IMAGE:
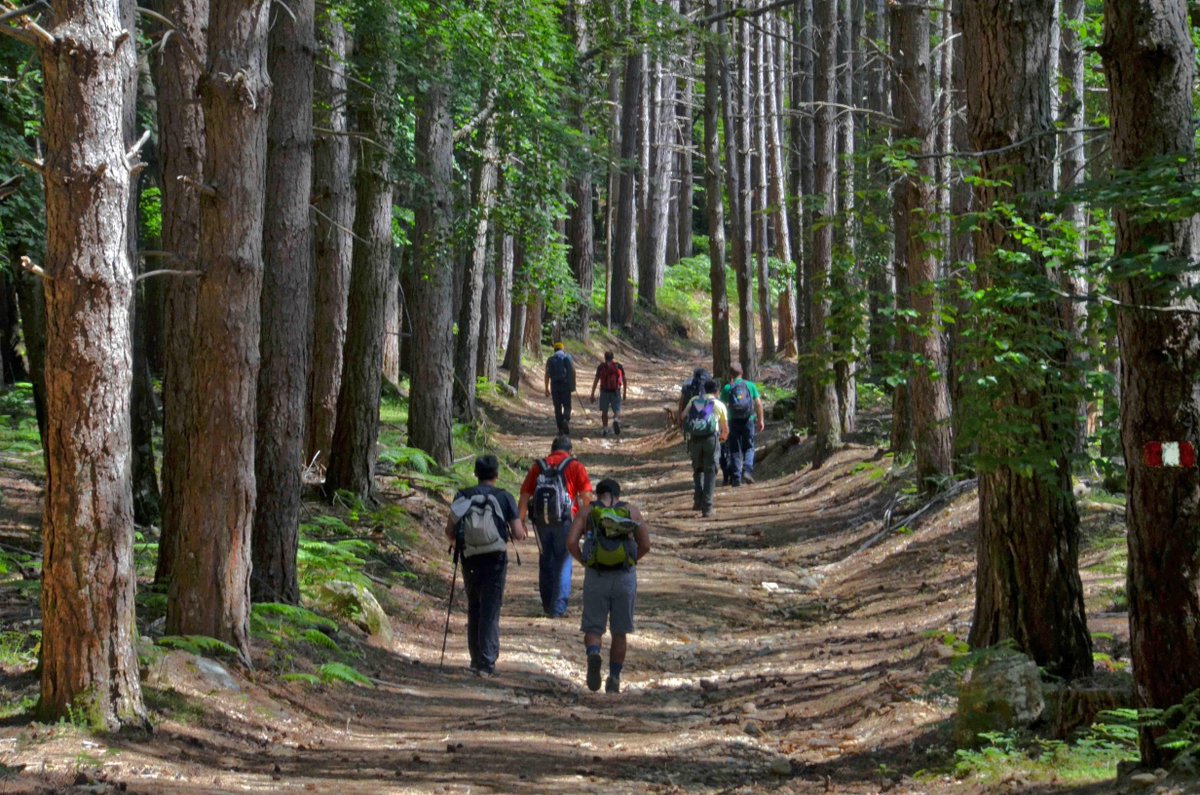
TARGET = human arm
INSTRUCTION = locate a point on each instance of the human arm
(595, 382)
(642, 534)
(624, 384)
(451, 529)
(723, 424)
(547, 379)
(758, 408)
(517, 531)
(523, 507)
(575, 534)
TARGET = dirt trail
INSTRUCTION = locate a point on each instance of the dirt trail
(770, 655)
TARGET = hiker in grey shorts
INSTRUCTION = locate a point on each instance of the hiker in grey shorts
(614, 539)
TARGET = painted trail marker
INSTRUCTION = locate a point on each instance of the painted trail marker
(1169, 455)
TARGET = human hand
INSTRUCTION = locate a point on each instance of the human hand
(547, 391)
(762, 426)
(593, 398)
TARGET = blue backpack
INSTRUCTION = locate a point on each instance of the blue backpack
(700, 422)
(741, 403)
(560, 369)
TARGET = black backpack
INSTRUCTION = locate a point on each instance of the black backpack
(695, 387)
(561, 370)
(551, 502)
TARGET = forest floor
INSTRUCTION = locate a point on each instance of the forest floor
(783, 645)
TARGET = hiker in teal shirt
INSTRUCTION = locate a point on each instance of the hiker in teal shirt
(742, 399)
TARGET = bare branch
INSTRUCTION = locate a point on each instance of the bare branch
(166, 272)
(36, 270)
(489, 107)
(39, 32)
(131, 157)
(23, 10)
(207, 190)
(32, 165)
(342, 227)
(188, 47)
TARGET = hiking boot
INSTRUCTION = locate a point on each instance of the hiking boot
(612, 684)
(604, 432)
(747, 479)
(616, 428)
(706, 512)
(593, 672)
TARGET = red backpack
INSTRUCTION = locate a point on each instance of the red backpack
(611, 376)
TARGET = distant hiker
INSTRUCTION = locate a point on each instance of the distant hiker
(482, 520)
(705, 426)
(742, 399)
(560, 383)
(614, 539)
(555, 489)
(691, 388)
(610, 377)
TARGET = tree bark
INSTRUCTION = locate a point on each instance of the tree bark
(88, 662)
(1028, 587)
(684, 163)
(286, 306)
(181, 155)
(742, 106)
(430, 414)
(777, 190)
(621, 282)
(483, 189)
(580, 225)
(210, 589)
(844, 277)
(760, 121)
(915, 202)
(516, 316)
(653, 259)
(31, 300)
(714, 199)
(333, 241)
(803, 142)
(1150, 63)
(828, 423)
(356, 429)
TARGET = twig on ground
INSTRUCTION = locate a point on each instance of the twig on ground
(907, 521)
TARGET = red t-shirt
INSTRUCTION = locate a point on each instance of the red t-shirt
(575, 475)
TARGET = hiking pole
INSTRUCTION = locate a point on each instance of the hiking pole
(449, 605)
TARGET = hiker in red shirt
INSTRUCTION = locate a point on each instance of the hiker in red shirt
(555, 489)
(610, 377)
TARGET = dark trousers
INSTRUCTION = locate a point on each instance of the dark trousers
(554, 568)
(741, 449)
(561, 395)
(704, 469)
(483, 578)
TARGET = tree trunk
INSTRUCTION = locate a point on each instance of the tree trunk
(516, 328)
(742, 105)
(430, 416)
(1028, 587)
(31, 300)
(714, 200)
(962, 242)
(210, 589)
(483, 189)
(393, 320)
(684, 164)
(760, 121)
(621, 282)
(915, 202)
(828, 424)
(653, 259)
(333, 242)
(1150, 63)
(356, 428)
(486, 355)
(181, 156)
(88, 662)
(804, 140)
(286, 308)
(580, 229)
(12, 368)
(776, 191)
(844, 276)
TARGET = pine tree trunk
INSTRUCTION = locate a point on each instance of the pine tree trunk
(580, 224)
(844, 276)
(776, 192)
(352, 453)
(31, 301)
(483, 189)
(210, 589)
(88, 662)
(181, 154)
(1028, 587)
(760, 121)
(653, 259)
(962, 242)
(828, 423)
(744, 229)
(625, 259)
(1150, 63)
(12, 368)
(915, 202)
(286, 308)
(430, 416)
(714, 200)
(516, 326)
(333, 200)
(684, 162)
(485, 350)
(804, 140)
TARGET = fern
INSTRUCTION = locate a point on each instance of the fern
(410, 458)
(320, 639)
(200, 645)
(308, 679)
(340, 672)
(296, 616)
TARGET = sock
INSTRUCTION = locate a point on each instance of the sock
(593, 650)
(614, 669)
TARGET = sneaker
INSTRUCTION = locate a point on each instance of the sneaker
(746, 478)
(604, 432)
(612, 685)
(706, 512)
(735, 482)
(593, 672)
(616, 428)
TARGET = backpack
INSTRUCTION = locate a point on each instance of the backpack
(479, 518)
(611, 535)
(695, 387)
(551, 502)
(741, 404)
(559, 368)
(611, 377)
(700, 422)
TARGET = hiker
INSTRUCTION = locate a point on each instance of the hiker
(555, 490)
(483, 519)
(691, 388)
(705, 426)
(742, 399)
(614, 539)
(610, 376)
(560, 383)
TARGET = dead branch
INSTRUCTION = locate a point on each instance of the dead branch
(940, 499)
(131, 157)
(207, 190)
(166, 272)
(33, 268)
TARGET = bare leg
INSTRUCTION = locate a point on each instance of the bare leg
(592, 639)
(617, 653)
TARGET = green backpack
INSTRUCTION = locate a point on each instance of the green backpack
(612, 537)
